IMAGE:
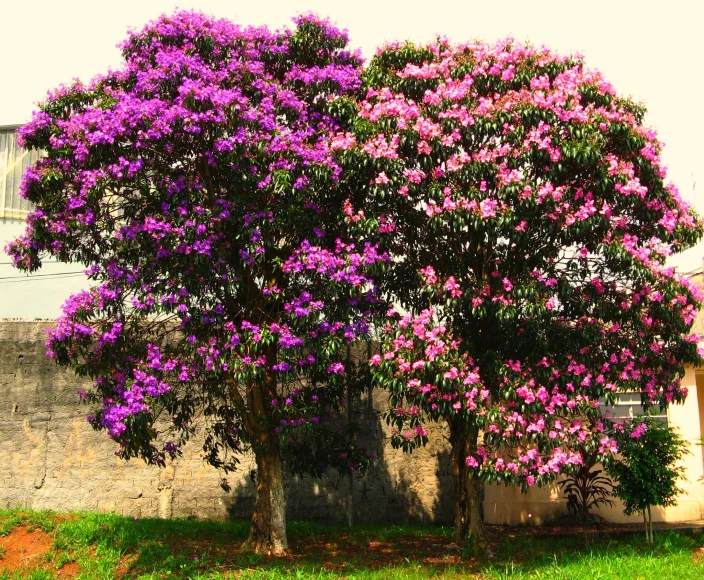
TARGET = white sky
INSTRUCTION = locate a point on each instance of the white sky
(652, 50)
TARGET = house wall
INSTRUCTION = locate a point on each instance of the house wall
(507, 505)
(36, 295)
(50, 458)
(540, 505)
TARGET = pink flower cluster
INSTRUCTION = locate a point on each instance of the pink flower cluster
(543, 279)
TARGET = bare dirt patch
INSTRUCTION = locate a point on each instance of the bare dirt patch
(25, 550)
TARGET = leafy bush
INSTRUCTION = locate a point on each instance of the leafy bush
(647, 473)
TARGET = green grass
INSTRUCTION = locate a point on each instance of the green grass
(618, 557)
(9, 520)
(106, 546)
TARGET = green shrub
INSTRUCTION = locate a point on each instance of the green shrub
(647, 473)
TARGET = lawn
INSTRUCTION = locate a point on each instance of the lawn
(46, 546)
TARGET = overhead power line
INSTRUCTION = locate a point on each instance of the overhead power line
(43, 262)
(40, 277)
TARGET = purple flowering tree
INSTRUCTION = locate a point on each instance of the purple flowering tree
(526, 213)
(198, 185)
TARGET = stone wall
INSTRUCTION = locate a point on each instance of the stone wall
(50, 458)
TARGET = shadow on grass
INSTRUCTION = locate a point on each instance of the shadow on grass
(110, 546)
(187, 548)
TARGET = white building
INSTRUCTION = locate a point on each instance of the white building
(39, 295)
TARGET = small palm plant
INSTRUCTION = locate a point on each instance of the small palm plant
(586, 490)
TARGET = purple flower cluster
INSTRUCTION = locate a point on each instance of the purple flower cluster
(189, 182)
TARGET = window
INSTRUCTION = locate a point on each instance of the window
(628, 404)
(13, 163)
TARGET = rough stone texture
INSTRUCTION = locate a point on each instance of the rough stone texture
(50, 458)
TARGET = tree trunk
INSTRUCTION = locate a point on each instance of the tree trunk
(651, 540)
(350, 479)
(268, 532)
(469, 517)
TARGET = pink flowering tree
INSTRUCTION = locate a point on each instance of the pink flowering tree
(524, 206)
(198, 185)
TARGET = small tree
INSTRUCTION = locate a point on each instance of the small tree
(526, 213)
(198, 185)
(647, 471)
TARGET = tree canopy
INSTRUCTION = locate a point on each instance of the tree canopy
(525, 210)
(246, 200)
(198, 185)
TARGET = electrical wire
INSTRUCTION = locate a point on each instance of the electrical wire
(41, 277)
(43, 262)
(43, 280)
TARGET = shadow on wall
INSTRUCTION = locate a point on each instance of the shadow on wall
(397, 488)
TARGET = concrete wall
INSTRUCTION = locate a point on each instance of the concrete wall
(50, 458)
